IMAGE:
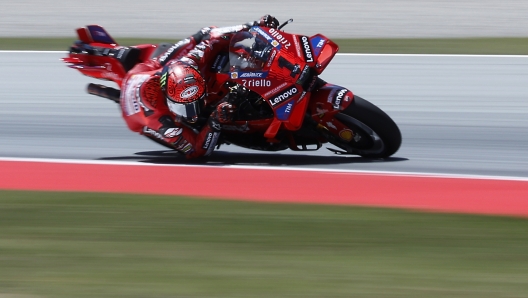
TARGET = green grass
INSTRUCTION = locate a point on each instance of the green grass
(58, 44)
(495, 46)
(477, 46)
(116, 245)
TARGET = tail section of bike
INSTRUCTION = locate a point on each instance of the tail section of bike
(96, 54)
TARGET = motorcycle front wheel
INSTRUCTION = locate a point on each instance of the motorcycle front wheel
(374, 133)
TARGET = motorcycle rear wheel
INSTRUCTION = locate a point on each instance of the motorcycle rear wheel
(376, 135)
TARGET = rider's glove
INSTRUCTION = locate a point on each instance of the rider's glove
(269, 21)
(225, 112)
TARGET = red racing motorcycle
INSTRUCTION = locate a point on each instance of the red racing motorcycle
(282, 102)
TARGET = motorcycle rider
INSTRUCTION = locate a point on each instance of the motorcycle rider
(160, 96)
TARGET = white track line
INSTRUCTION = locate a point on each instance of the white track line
(433, 55)
(30, 52)
(344, 54)
(247, 167)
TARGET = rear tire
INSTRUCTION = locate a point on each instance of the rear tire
(376, 135)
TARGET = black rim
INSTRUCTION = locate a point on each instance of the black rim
(365, 142)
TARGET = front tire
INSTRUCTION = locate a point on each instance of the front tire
(376, 135)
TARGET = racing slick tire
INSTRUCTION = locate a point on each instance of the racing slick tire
(375, 134)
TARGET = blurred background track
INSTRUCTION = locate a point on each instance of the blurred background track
(465, 115)
(335, 18)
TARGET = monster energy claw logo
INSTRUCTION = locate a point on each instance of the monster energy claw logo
(163, 80)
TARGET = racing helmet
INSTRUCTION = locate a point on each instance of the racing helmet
(184, 88)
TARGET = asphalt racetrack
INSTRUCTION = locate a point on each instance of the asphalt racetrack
(462, 115)
(334, 18)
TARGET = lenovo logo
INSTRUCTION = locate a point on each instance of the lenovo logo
(283, 96)
(307, 49)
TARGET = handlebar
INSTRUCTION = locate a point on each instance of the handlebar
(285, 23)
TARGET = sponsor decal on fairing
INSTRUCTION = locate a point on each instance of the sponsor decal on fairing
(249, 74)
(281, 39)
(272, 56)
(297, 47)
(317, 44)
(346, 134)
(283, 96)
(307, 50)
(256, 83)
(303, 94)
(339, 98)
(275, 90)
(283, 113)
(304, 75)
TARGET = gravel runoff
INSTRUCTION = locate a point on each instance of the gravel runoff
(334, 18)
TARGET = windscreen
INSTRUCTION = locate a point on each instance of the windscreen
(248, 51)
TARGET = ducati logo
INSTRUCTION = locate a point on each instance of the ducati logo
(172, 132)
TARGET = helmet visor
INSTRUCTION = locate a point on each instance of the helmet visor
(189, 111)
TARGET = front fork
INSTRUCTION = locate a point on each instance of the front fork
(325, 103)
(328, 135)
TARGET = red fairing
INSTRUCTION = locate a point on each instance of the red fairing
(329, 100)
(105, 68)
(268, 78)
(92, 58)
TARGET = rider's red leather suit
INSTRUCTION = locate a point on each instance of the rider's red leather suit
(143, 104)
